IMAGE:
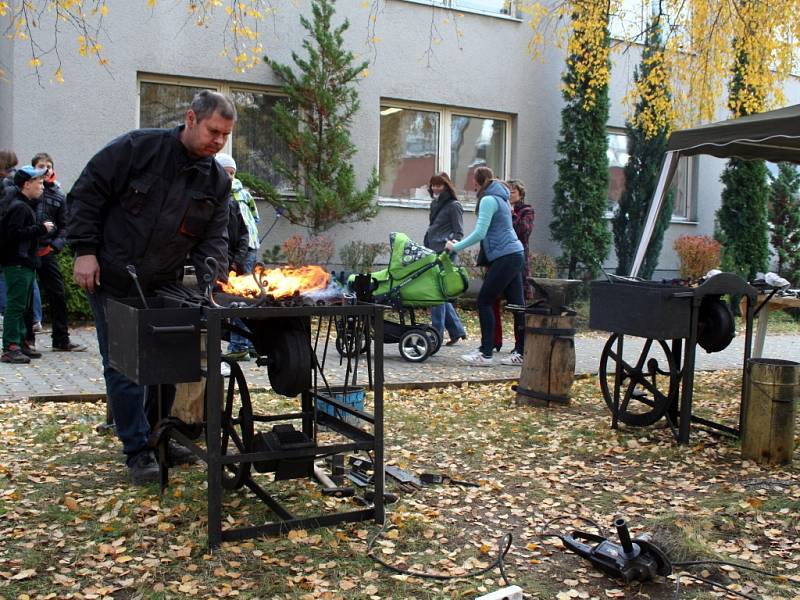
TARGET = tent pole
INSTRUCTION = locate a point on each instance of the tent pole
(664, 179)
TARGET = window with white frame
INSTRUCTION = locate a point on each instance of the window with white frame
(163, 103)
(510, 8)
(680, 186)
(419, 141)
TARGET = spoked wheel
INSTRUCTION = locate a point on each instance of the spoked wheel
(415, 345)
(237, 428)
(435, 340)
(648, 383)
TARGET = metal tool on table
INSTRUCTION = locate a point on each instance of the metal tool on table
(440, 479)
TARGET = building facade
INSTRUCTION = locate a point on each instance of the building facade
(450, 86)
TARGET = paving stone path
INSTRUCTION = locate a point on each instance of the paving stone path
(62, 374)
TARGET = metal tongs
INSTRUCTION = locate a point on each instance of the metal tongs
(135, 276)
(210, 277)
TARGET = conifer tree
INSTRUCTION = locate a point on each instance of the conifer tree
(742, 216)
(314, 121)
(784, 221)
(581, 190)
(647, 131)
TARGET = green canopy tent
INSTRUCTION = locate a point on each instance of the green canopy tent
(772, 136)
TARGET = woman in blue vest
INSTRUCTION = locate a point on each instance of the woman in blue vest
(504, 253)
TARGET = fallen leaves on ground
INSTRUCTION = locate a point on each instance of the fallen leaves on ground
(72, 527)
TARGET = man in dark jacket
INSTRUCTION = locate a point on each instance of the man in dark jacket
(52, 207)
(21, 232)
(147, 199)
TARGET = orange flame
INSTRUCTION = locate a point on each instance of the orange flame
(280, 283)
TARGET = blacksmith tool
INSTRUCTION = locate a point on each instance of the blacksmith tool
(630, 560)
(404, 477)
(329, 488)
(359, 477)
(132, 272)
(437, 479)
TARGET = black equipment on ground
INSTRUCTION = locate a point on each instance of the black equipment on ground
(630, 560)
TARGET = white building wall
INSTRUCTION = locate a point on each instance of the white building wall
(487, 67)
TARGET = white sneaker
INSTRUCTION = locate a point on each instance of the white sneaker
(515, 358)
(478, 360)
(224, 369)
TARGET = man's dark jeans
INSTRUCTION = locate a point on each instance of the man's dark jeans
(134, 411)
(503, 278)
(51, 282)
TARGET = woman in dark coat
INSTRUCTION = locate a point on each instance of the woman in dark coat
(446, 223)
(522, 219)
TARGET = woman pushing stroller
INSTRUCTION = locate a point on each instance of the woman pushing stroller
(504, 254)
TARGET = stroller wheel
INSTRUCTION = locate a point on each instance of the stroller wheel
(435, 340)
(415, 345)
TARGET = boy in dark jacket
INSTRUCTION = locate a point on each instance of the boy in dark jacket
(52, 207)
(21, 233)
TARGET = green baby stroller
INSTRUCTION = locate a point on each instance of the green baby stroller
(416, 277)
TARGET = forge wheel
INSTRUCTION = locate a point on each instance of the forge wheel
(415, 345)
(237, 428)
(648, 384)
(435, 339)
(350, 336)
(289, 366)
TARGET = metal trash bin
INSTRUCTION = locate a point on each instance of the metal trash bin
(767, 430)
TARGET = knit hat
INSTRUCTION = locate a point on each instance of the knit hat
(26, 173)
(225, 160)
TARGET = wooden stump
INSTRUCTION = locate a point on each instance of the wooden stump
(773, 389)
(548, 368)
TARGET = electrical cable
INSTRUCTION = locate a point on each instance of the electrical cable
(720, 586)
(543, 533)
(498, 562)
(723, 562)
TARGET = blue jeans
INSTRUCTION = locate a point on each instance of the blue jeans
(3, 293)
(250, 260)
(134, 407)
(37, 303)
(444, 316)
(238, 342)
(503, 278)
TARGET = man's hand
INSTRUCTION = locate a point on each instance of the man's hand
(86, 272)
(49, 226)
(449, 246)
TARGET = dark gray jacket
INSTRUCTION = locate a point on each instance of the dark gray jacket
(142, 200)
(446, 222)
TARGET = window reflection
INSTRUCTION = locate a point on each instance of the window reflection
(164, 105)
(680, 186)
(255, 144)
(475, 142)
(409, 148)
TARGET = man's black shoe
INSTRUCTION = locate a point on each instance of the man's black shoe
(30, 351)
(143, 468)
(180, 455)
(69, 347)
(14, 355)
